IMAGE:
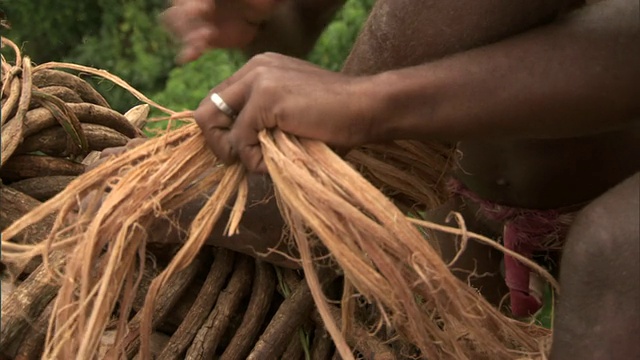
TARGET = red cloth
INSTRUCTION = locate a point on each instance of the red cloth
(525, 231)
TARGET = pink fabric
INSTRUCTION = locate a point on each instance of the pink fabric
(525, 232)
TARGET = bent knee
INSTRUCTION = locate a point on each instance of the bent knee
(597, 313)
(610, 224)
(602, 247)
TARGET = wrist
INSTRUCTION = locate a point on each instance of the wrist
(402, 105)
(294, 27)
(367, 106)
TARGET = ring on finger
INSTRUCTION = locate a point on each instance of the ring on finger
(222, 106)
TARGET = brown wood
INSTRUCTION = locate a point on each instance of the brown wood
(15, 205)
(54, 140)
(33, 344)
(322, 345)
(46, 77)
(259, 303)
(293, 311)
(61, 92)
(25, 304)
(217, 277)
(44, 187)
(29, 166)
(208, 337)
(167, 298)
(39, 119)
(359, 338)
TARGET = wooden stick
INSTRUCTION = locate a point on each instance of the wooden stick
(28, 301)
(322, 345)
(182, 338)
(169, 295)
(44, 187)
(33, 344)
(291, 314)
(206, 341)
(360, 339)
(259, 303)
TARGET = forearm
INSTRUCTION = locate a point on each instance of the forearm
(295, 27)
(576, 76)
(403, 33)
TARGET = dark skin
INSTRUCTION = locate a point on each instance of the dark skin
(542, 104)
(289, 27)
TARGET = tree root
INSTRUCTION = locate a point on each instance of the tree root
(61, 92)
(217, 277)
(54, 141)
(359, 338)
(16, 204)
(40, 119)
(27, 301)
(46, 77)
(29, 166)
(296, 349)
(206, 341)
(44, 187)
(322, 345)
(259, 303)
(33, 344)
(168, 297)
(292, 313)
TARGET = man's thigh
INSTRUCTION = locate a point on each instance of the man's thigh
(598, 313)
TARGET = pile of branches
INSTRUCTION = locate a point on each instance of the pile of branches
(54, 125)
(96, 256)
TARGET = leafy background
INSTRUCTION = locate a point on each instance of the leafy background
(126, 38)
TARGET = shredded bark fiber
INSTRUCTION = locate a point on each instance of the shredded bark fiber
(322, 198)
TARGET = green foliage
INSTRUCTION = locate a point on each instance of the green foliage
(129, 44)
(334, 44)
(126, 38)
(121, 36)
(189, 84)
(45, 29)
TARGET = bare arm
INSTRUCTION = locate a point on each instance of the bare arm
(287, 26)
(403, 33)
(576, 76)
(294, 27)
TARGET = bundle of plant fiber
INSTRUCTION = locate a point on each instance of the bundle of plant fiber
(383, 255)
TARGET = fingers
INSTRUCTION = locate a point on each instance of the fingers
(196, 43)
(205, 24)
(192, 22)
(133, 143)
(115, 151)
(216, 125)
(185, 17)
(237, 139)
(244, 140)
(234, 139)
(244, 91)
(254, 92)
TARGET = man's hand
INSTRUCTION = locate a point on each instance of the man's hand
(297, 97)
(206, 24)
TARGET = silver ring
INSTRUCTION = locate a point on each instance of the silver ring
(222, 106)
